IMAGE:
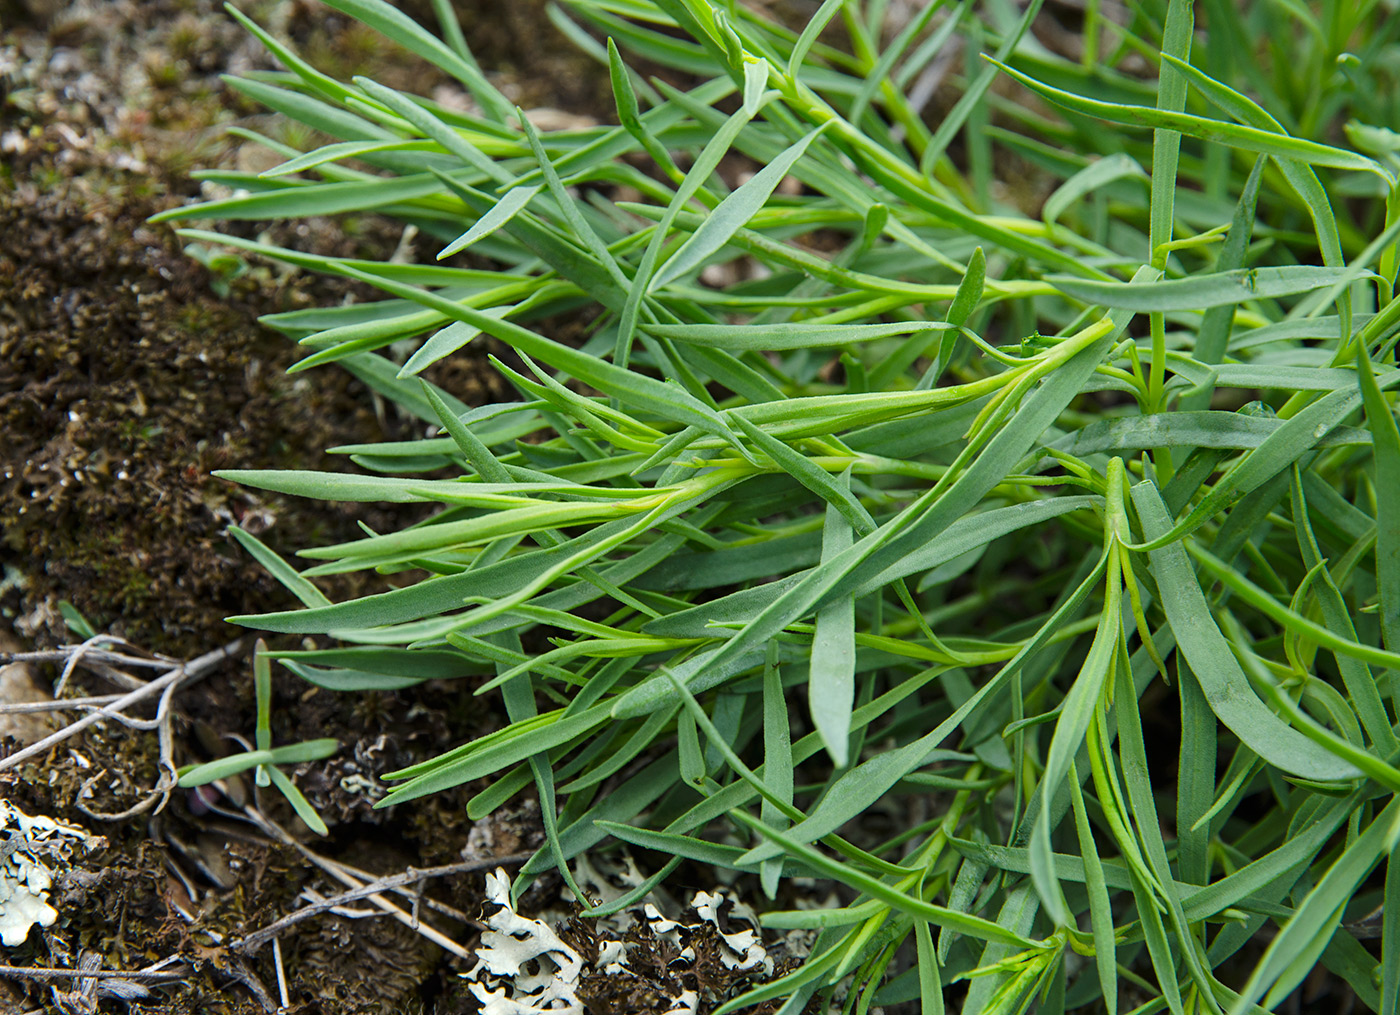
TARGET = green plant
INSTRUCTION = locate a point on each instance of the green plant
(223, 267)
(263, 758)
(1084, 527)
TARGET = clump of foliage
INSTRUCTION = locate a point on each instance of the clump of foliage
(1083, 528)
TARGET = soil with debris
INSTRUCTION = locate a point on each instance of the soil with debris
(128, 373)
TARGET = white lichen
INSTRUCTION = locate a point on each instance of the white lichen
(524, 968)
(33, 851)
(612, 957)
(687, 1004)
(745, 952)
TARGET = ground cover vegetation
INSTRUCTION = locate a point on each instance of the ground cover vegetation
(1030, 568)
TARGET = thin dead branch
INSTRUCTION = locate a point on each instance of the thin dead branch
(50, 973)
(181, 674)
(411, 876)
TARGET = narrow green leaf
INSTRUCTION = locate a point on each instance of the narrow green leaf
(341, 150)
(477, 454)
(667, 400)
(1100, 907)
(1315, 920)
(322, 116)
(299, 803)
(1223, 682)
(777, 762)
(510, 204)
(677, 845)
(972, 97)
(1099, 173)
(930, 989)
(299, 201)
(300, 587)
(395, 25)
(200, 775)
(734, 211)
(322, 83)
(1380, 420)
(1200, 291)
(831, 688)
(1264, 602)
(1390, 937)
(1204, 128)
(972, 926)
(1217, 322)
(1356, 675)
(880, 549)
(262, 693)
(786, 336)
(810, 31)
(292, 754)
(692, 764)
(851, 794)
(1223, 430)
(1081, 705)
(1196, 776)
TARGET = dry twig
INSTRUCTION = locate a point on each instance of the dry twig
(183, 673)
(89, 654)
(51, 973)
(411, 876)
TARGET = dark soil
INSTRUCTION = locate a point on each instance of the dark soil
(127, 372)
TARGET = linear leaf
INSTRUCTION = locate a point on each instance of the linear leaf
(1200, 291)
(831, 690)
(782, 337)
(1232, 134)
(733, 212)
(1223, 682)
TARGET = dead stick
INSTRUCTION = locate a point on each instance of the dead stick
(330, 867)
(60, 655)
(185, 671)
(258, 938)
(19, 707)
(49, 973)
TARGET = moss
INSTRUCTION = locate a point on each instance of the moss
(128, 373)
(124, 382)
